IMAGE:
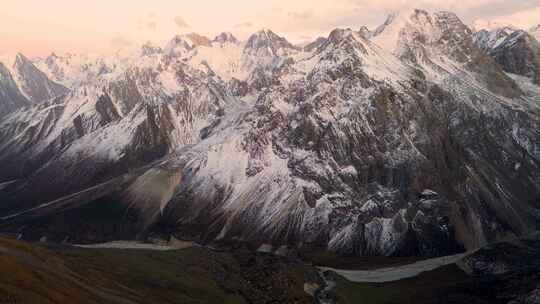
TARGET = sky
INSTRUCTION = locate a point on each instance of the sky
(38, 27)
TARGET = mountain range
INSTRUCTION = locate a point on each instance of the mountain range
(419, 137)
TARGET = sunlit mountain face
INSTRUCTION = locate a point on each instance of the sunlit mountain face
(269, 153)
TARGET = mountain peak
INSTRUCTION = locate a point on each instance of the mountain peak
(365, 32)
(10, 95)
(266, 33)
(198, 40)
(33, 83)
(266, 39)
(266, 30)
(388, 34)
(347, 41)
(21, 60)
(489, 39)
(177, 45)
(340, 34)
(402, 17)
(418, 27)
(187, 42)
(225, 37)
(514, 49)
(20, 56)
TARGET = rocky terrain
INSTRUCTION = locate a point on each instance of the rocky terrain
(517, 51)
(413, 139)
(23, 84)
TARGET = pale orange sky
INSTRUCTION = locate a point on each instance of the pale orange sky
(38, 27)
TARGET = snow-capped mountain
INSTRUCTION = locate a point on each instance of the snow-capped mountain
(490, 39)
(437, 43)
(517, 51)
(406, 140)
(24, 84)
(34, 84)
(185, 43)
(74, 70)
(267, 43)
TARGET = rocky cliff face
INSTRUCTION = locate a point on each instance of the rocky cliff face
(11, 97)
(517, 51)
(34, 84)
(22, 84)
(409, 140)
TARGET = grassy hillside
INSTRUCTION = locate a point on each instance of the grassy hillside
(60, 274)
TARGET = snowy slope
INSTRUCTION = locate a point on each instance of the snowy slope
(418, 37)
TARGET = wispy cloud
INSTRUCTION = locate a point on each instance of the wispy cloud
(66, 26)
(151, 25)
(247, 24)
(300, 15)
(120, 42)
(180, 22)
(524, 19)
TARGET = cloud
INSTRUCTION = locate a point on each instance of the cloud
(247, 24)
(158, 21)
(120, 42)
(467, 10)
(147, 22)
(523, 19)
(151, 25)
(180, 22)
(300, 15)
(320, 20)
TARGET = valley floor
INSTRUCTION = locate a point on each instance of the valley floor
(143, 273)
(390, 274)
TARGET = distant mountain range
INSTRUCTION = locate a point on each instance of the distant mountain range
(419, 137)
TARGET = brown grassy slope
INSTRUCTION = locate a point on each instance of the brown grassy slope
(59, 274)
